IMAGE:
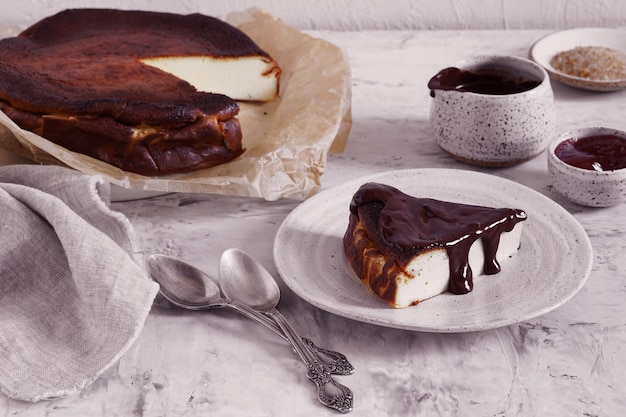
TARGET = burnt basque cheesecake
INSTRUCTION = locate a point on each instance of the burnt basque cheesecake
(407, 249)
(150, 93)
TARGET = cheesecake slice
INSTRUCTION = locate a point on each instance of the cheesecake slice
(146, 92)
(407, 249)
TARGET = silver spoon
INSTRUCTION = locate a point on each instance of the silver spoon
(188, 287)
(245, 280)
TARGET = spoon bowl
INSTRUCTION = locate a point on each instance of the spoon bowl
(182, 284)
(244, 279)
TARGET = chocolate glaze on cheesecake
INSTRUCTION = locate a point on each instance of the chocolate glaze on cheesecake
(383, 220)
(75, 78)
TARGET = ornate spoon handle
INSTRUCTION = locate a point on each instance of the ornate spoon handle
(341, 400)
(336, 362)
(329, 392)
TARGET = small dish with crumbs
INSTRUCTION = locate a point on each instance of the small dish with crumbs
(589, 58)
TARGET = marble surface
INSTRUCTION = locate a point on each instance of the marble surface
(570, 362)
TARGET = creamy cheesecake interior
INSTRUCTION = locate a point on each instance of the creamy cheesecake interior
(250, 78)
(428, 274)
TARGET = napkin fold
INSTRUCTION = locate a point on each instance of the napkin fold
(73, 296)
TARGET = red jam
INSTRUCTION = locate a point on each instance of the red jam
(600, 153)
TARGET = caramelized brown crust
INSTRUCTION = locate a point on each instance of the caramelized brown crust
(142, 34)
(75, 79)
(379, 272)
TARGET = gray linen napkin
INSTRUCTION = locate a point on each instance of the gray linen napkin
(73, 297)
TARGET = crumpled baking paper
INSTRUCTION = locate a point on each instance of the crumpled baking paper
(287, 140)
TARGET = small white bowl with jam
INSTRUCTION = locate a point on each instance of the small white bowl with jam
(588, 166)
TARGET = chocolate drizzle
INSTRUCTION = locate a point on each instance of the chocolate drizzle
(483, 82)
(403, 226)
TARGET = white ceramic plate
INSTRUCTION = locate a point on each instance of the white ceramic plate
(545, 48)
(552, 264)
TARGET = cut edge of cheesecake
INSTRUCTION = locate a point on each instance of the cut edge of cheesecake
(426, 277)
(247, 78)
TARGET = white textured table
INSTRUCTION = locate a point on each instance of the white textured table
(571, 362)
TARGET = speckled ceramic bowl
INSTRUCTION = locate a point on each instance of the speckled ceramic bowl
(495, 130)
(584, 186)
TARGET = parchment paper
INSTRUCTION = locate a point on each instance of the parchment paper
(287, 140)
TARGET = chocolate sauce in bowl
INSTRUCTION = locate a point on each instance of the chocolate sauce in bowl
(481, 82)
(403, 226)
(600, 152)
